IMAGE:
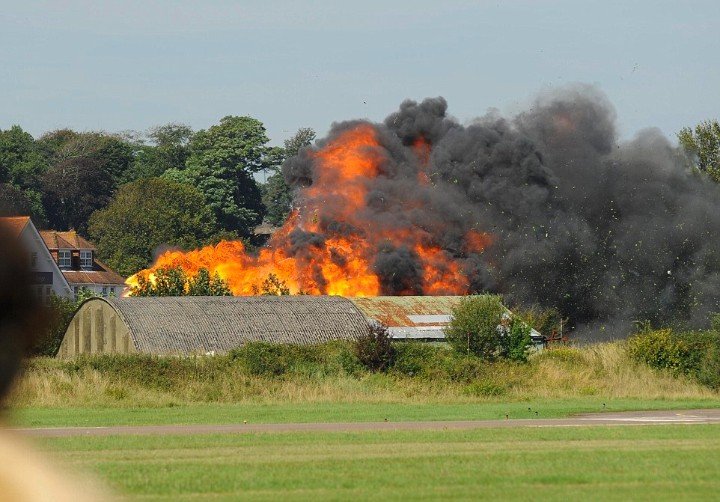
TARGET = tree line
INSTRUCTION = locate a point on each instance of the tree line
(130, 193)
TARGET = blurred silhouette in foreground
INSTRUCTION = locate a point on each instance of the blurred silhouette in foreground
(24, 474)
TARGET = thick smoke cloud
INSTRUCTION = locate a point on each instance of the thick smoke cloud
(608, 232)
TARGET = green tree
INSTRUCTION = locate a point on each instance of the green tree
(221, 165)
(277, 195)
(170, 149)
(175, 282)
(702, 145)
(16, 202)
(515, 346)
(111, 152)
(21, 162)
(72, 190)
(473, 328)
(272, 286)
(146, 214)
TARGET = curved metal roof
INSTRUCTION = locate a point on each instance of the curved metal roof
(167, 325)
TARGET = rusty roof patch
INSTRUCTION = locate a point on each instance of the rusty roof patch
(395, 311)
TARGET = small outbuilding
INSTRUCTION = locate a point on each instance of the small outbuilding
(199, 324)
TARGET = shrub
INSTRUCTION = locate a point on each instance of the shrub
(462, 368)
(261, 358)
(412, 357)
(659, 349)
(545, 320)
(696, 354)
(709, 372)
(515, 346)
(472, 329)
(374, 350)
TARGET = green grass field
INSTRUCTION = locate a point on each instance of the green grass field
(339, 412)
(588, 463)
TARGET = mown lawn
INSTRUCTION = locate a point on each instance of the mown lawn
(588, 463)
(338, 412)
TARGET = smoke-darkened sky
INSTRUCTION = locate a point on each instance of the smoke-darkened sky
(610, 232)
(133, 64)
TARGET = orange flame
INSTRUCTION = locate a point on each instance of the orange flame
(337, 262)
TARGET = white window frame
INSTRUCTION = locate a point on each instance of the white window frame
(86, 259)
(104, 291)
(65, 258)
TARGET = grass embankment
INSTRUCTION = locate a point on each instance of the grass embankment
(601, 463)
(326, 383)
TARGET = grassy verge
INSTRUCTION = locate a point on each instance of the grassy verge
(658, 462)
(338, 412)
(325, 383)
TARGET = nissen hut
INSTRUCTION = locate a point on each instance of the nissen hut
(200, 324)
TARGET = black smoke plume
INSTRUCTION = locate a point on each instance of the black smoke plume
(609, 232)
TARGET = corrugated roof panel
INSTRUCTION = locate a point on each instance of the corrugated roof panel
(168, 325)
(399, 311)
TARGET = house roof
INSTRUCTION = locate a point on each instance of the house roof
(101, 274)
(65, 240)
(186, 324)
(16, 224)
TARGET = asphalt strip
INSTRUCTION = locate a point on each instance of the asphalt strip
(685, 417)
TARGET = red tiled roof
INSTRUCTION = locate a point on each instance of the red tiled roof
(16, 224)
(92, 277)
(100, 274)
(64, 240)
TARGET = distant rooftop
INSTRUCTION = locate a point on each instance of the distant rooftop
(64, 240)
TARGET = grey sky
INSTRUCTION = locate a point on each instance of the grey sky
(134, 64)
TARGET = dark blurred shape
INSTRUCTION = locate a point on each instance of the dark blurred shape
(21, 316)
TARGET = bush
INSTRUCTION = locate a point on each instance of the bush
(515, 346)
(472, 329)
(261, 358)
(412, 357)
(375, 350)
(696, 354)
(659, 349)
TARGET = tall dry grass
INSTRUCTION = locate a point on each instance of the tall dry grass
(601, 370)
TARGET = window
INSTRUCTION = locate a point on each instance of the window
(64, 258)
(86, 259)
(105, 291)
(76, 290)
(112, 291)
(33, 260)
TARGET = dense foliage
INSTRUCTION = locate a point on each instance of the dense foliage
(66, 180)
(221, 165)
(146, 214)
(473, 328)
(276, 194)
(375, 350)
(694, 353)
(175, 282)
(702, 144)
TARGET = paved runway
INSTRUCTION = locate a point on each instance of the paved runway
(685, 417)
